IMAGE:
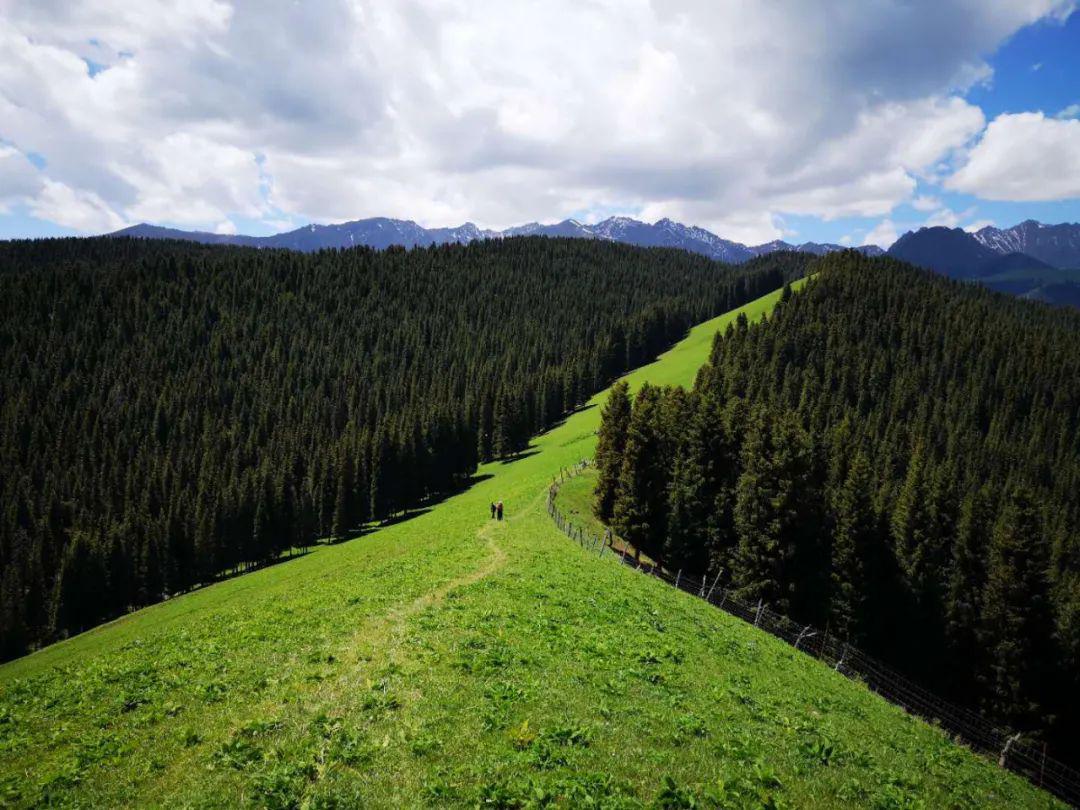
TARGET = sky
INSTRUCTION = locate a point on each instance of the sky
(799, 120)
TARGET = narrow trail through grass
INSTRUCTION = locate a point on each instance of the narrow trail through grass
(453, 660)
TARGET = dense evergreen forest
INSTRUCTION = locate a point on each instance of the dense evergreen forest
(894, 456)
(173, 411)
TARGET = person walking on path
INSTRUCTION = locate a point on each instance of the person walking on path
(499, 510)
(493, 510)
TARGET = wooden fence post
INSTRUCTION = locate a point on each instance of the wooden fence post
(1005, 751)
(713, 584)
(804, 634)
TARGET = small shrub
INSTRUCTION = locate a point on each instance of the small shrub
(239, 753)
(523, 736)
(351, 748)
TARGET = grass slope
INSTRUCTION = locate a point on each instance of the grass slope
(449, 659)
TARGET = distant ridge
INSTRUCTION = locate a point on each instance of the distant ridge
(1031, 260)
(952, 252)
(382, 232)
(1056, 245)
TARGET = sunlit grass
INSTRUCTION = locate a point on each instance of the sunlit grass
(453, 660)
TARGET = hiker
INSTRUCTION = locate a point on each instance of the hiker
(493, 510)
(498, 510)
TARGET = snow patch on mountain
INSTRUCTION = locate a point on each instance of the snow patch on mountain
(382, 232)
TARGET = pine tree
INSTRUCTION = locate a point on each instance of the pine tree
(75, 603)
(771, 509)
(610, 444)
(853, 532)
(703, 458)
(207, 561)
(967, 578)
(911, 526)
(640, 500)
(343, 519)
(502, 430)
(14, 629)
(380, 486)
(1015, 624)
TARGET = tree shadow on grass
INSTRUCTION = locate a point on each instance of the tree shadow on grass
(421, 508)
(575, 412)
(302, 551)
(529, 451)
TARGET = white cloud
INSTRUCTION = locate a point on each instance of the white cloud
(926, 203)
(1023, 157)
(979, 224)
(75, 208)
(883, 234)
(1072, 111)
(946, 218)
(727, 115)
(18, 178)
(190, 179)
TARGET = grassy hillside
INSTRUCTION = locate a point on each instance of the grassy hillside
(449, 659)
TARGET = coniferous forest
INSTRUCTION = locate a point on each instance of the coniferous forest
(170, 412)
(893, 456)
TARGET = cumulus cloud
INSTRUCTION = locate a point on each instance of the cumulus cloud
(726, 116)
(1023, 157)
(18, 177)
(74, 208)
(926, 203)
(883, 234)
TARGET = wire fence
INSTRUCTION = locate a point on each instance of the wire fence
(1027, 758)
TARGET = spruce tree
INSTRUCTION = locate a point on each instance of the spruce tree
(911, 526)
(81, 578)
(703, 460)
(342, 501)
(502, 429)
(610, 444)
(853, 531)
(772, 514)
(378, 481)
(638, 514)
(966, 580)
(1015, 624)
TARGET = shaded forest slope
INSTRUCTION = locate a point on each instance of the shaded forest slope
(170, 411)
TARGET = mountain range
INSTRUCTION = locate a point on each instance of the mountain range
(1032, 260)
(382, 232)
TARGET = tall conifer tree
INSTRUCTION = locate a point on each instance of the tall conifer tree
(610, 445)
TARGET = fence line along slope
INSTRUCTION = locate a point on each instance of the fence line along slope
(894, 456)
(452, 660)
(1024, 756)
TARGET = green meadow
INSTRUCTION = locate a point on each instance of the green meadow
(452, 660)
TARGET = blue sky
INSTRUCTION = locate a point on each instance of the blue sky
(1038, 68)
(797, 120)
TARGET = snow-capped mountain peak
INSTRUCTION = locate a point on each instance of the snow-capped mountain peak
(1057, 245)
(382, 232)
